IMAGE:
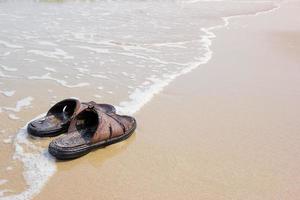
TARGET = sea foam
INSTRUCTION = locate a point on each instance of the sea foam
(20, 104)
(10, 69)
(8, 93)
(9, 45)
(38, 166)
(61, 82)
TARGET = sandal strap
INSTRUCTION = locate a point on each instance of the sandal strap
(118, 121)
(109, 126)
(61, 106)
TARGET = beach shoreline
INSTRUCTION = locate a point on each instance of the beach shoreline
(228, 130)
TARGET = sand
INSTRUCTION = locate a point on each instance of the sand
(228, 130)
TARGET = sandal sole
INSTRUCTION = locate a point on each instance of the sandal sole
(68, 155)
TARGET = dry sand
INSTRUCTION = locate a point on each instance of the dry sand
(228, 130)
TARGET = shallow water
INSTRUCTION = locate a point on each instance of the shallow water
(120, 52)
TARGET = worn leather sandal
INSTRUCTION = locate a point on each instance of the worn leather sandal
(58, 118)
(91, 129)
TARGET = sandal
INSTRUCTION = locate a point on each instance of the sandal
(91, 129)
(58, 118)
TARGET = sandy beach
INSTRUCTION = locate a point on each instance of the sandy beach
(227, 130)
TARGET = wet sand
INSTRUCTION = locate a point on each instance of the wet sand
(228, 130)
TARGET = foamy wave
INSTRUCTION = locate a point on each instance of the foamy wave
(82, 70)
(6, 53)
(5, 75)
(20, 104)
(61, 82)
(47, 43)
(57, 53)
(97, 50)
(10, 69)
(9, 45)
(50, 69)
(38, 166)
(8, 93)
(99, 76)
(25, 102)
(140, 96)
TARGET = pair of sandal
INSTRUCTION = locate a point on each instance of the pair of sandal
(86, 126)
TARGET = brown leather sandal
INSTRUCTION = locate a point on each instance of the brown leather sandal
(91, 129)
(58, 118)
